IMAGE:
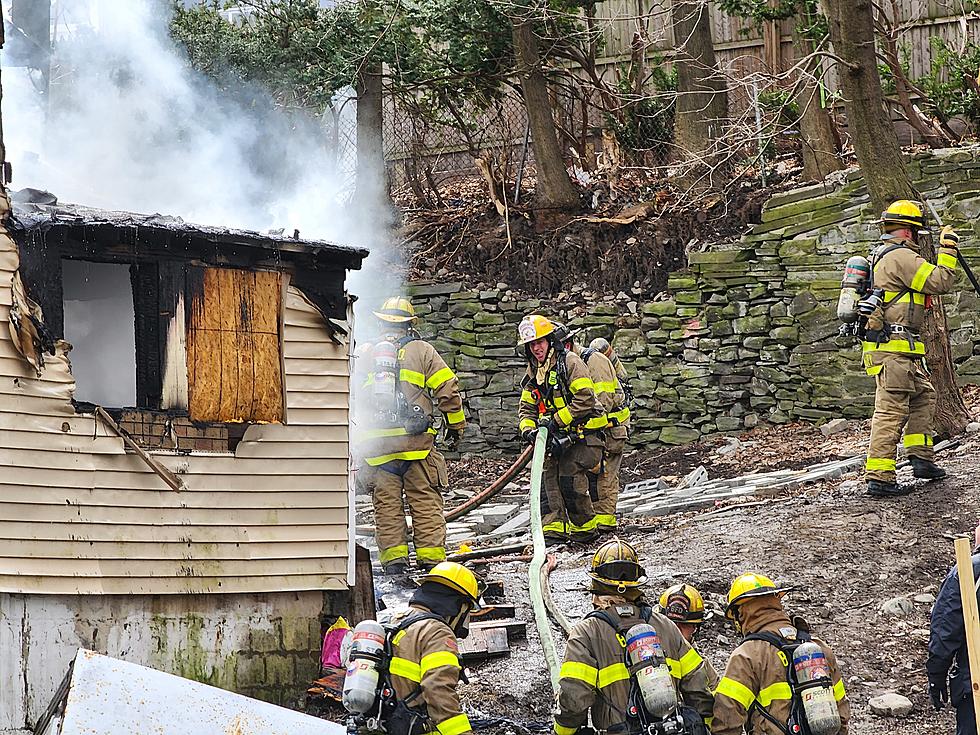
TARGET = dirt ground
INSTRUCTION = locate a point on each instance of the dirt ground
(846, 554)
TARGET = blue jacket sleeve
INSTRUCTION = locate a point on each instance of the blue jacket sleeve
(946, 631)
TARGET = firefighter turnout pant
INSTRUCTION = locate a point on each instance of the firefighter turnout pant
(904, 398)
(566, 506)
(422, 482)
(607, 485)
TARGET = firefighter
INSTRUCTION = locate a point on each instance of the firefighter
(948, 664)
(684, 605)
(594, 677)
(754, 689)
(604, 486)
(405, 379)
(425, 654)
(894, 354)
(557, 392)
(601, 344)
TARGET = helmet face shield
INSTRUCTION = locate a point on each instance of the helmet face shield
(616, 564)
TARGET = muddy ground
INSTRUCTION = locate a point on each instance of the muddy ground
(845, 552)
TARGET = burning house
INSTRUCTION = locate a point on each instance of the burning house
(173, 449)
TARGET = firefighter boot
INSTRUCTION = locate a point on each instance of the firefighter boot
(926, 469)
(882, 489)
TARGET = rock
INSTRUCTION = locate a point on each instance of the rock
(925, 598)
(834, 426)
(890, 704)
(723, 640)
(898, 607)
(973, 427)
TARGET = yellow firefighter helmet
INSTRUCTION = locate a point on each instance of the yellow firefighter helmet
(903, 213)
(456, 577)
(682, 603)
(396, 310)
(751, 585)
(617, 565)
(532, 327)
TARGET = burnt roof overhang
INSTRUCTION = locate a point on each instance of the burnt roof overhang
(106, 231)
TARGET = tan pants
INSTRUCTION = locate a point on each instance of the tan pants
(422, 482)
(566, 506)
(904, 398)
(607, 485)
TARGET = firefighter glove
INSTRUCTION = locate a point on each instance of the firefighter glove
(938, 690)
(948, 237)
(452, 439)
(866, 307)
(529, 435)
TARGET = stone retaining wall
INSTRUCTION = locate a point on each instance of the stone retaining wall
(746, 335)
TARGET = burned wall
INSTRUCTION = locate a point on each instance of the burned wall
(747, 334)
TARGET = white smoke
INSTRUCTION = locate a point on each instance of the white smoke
(129, 125)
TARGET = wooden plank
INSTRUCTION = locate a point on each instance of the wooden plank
(229, 323)
(82, 514)
(516, 629)
(172, 568)
(203, 346)
(227, 500)
(140, 549)
(483, 644)
(971, 620)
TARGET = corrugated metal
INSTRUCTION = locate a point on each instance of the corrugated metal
(113, 697)
(80, 515)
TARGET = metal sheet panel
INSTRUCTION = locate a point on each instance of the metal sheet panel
(113, 697)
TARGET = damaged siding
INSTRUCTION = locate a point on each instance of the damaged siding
(80, 515)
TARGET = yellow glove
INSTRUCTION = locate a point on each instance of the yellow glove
(948, 238)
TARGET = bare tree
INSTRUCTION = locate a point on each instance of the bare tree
(821, 143)
(887, 177)
(371, 179)
(554, 189)
(702, 96)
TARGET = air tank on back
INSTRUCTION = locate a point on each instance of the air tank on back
(649, 665)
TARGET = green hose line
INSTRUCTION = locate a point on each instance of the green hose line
(538, 560)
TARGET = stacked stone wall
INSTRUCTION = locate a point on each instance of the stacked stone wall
(747, 334)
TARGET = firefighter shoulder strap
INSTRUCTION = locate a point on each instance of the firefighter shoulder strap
(398, 716)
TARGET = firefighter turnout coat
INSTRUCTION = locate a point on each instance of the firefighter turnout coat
(904, 397)
(594, 675)
(424, 380)
(425, 671)
(570, 398)
(756, 677)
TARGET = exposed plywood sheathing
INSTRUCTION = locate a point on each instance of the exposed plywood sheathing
(81, 515)
(175, 390)
(233, 352)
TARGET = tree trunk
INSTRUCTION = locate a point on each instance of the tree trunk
(702, 99)
(881, 161)
(821, 153)
(554, 189)
(371, 183)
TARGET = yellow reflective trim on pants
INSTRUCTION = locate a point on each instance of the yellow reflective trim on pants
(771, 693)
(605, 386)
(413, 455)
(527, 425)
(946, 260)
(562, 730)
(839, 692)
(921, 275)
(917, 440)
(439, 658)
(430, 553)
(735, 690)
(600, 422)
(611, 674)
(405, 669)
(708, 721)
(381, 433)
(587, 527)
(564, 416)
(605, 520)
(880, 464)
(455, 417)
(395, 552)
(687, 663)
(554, 527)
(527, 397)
(454, 725)
(412, 376)
(621, 416)
(581, 384)
(581, 672)
(439, 377)
(896, 344)
(892, 297)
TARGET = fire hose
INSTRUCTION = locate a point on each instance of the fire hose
(538, 560)
(495, 487)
